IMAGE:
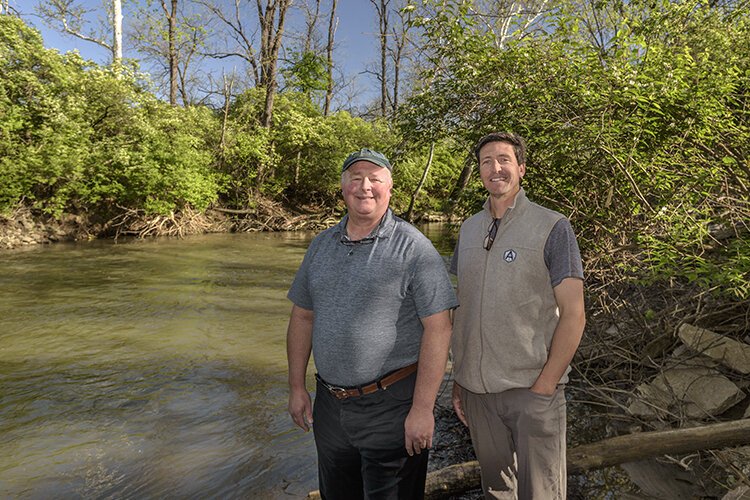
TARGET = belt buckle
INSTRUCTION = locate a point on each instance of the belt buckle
(339, 392)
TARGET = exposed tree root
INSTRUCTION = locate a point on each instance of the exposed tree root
(188, 221)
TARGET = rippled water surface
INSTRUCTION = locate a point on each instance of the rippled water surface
(150, 369)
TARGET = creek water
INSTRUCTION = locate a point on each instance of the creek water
(152, 369)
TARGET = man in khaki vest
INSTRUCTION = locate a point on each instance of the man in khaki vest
(521, 318)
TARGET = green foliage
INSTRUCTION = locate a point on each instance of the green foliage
(34, 154)
(320, 156)
(76, 136)
(306, 72)
(636, 115)
(434, 193)
(300, 157)
(637, 129)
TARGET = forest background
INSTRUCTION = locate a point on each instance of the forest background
(636, 114)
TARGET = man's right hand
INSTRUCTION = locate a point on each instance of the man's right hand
(300, 408)
(457, 403)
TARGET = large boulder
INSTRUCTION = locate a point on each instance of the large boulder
(730, 353)
(687, 391)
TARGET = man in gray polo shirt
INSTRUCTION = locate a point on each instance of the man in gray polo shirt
(371, 302)
(520, 283)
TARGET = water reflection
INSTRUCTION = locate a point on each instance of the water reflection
(443, 236)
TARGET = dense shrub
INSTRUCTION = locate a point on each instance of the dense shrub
(638, 128)
(76, 136)
(300, 158)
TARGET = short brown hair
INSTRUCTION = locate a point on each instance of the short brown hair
(515, 140)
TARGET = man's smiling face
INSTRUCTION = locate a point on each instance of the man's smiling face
(367, 190)
(500, 172)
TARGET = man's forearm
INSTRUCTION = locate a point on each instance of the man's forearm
(567, 336)
(299, 346)
(433, 356)
(419, 426)
(565, 342)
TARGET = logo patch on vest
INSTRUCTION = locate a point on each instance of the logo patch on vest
(509, 255)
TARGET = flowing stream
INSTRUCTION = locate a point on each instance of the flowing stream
(152, 369)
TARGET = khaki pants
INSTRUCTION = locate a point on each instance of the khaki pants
(519, 439)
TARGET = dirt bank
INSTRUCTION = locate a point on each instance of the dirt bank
(24, 226)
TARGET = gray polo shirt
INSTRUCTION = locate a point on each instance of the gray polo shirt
(368, 298)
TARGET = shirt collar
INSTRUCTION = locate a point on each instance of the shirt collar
(383, 230)
(519, 202)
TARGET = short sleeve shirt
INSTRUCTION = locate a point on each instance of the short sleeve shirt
(368, 297)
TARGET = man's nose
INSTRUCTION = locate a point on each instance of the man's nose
(366, 184)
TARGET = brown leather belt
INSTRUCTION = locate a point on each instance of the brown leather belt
(383, 383)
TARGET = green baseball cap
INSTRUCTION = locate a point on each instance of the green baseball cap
(365, 154)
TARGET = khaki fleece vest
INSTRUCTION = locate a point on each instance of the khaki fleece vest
(507, 316)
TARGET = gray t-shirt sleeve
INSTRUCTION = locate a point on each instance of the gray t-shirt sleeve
(561, 253)
(299, 292)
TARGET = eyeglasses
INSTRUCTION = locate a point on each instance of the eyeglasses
(351, 243)
(491, 233)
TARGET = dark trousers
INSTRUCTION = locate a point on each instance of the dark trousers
(360, 443)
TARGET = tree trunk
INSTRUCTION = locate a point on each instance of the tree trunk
(461, 183)
(117, 29)
(172, 34)
(383, 57)
(225, 118)
(189, 50)
(410, 212)
(633, 447)
(329, 58)
(382, 11)
(295, 182)
(271, 35)
(396, 76)
(269, 52)
(312, 21)
(173, 54)
(459, 478)
(400, 34)
(452, 480)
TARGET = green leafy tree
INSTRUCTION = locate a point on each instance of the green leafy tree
(637, 130)
(79, 137)
(306, 72)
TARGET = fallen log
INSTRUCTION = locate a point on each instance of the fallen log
(246, 211)
(459, 478)
(640, 445)
(452, 480)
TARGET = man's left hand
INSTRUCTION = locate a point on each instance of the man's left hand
(540, 387)
(418, 430)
